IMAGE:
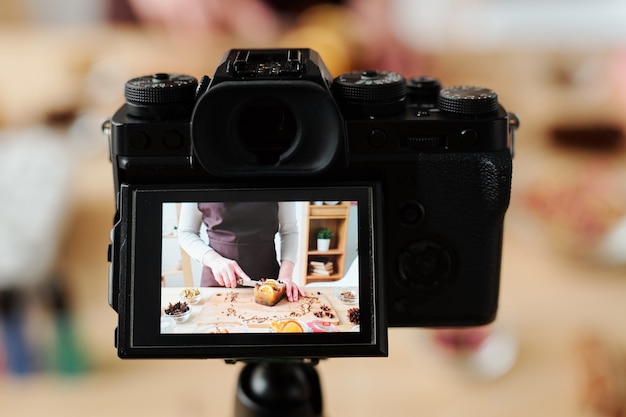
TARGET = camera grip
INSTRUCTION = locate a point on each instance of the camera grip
(451, 263)
(475, 184)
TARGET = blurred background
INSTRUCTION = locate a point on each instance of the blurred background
(558, 347)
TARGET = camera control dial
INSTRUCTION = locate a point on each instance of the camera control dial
(468, 100)
(425, 265)
(145, 94)
(371, 93)
(423, 88)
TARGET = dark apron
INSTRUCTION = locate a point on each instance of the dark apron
(245, 233)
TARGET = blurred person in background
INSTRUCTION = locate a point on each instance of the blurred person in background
(363, 29)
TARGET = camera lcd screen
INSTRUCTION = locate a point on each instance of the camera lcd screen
(251, 272)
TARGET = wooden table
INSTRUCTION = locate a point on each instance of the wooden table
(218, 305)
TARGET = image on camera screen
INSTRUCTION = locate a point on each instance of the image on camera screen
(222, 272)
(232, 267)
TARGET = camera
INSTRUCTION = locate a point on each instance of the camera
(412, 179)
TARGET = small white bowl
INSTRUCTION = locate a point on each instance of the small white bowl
(190, 296)
(180, 318)
(347, 295)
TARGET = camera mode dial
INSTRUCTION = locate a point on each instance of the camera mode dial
(468, 100)
(371, 93)
(159, 94)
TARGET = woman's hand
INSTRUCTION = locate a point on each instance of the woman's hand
(285, 275)
(226, 271)
(292, 291)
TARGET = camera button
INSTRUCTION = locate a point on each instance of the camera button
(378, 138)
(140, 141)
(173, 140)
(411, 213)
(423, 88)
(469, 137)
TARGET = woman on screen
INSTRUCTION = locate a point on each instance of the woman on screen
(241, 242)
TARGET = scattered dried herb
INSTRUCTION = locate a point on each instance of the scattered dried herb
(354, 315)
(177, 309)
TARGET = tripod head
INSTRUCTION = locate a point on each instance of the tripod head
(279, 388)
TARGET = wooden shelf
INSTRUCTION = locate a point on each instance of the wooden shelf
(322, 278)
(334, 217)
(329, 252)
(171, 271)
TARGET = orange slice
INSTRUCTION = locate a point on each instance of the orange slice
(275, 326)
(292, 327)
(266, 288)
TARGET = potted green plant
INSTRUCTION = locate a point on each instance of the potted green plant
(323, 239)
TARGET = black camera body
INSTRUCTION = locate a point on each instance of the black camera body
(429, 167)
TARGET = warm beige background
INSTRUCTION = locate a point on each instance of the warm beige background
(550, 301)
